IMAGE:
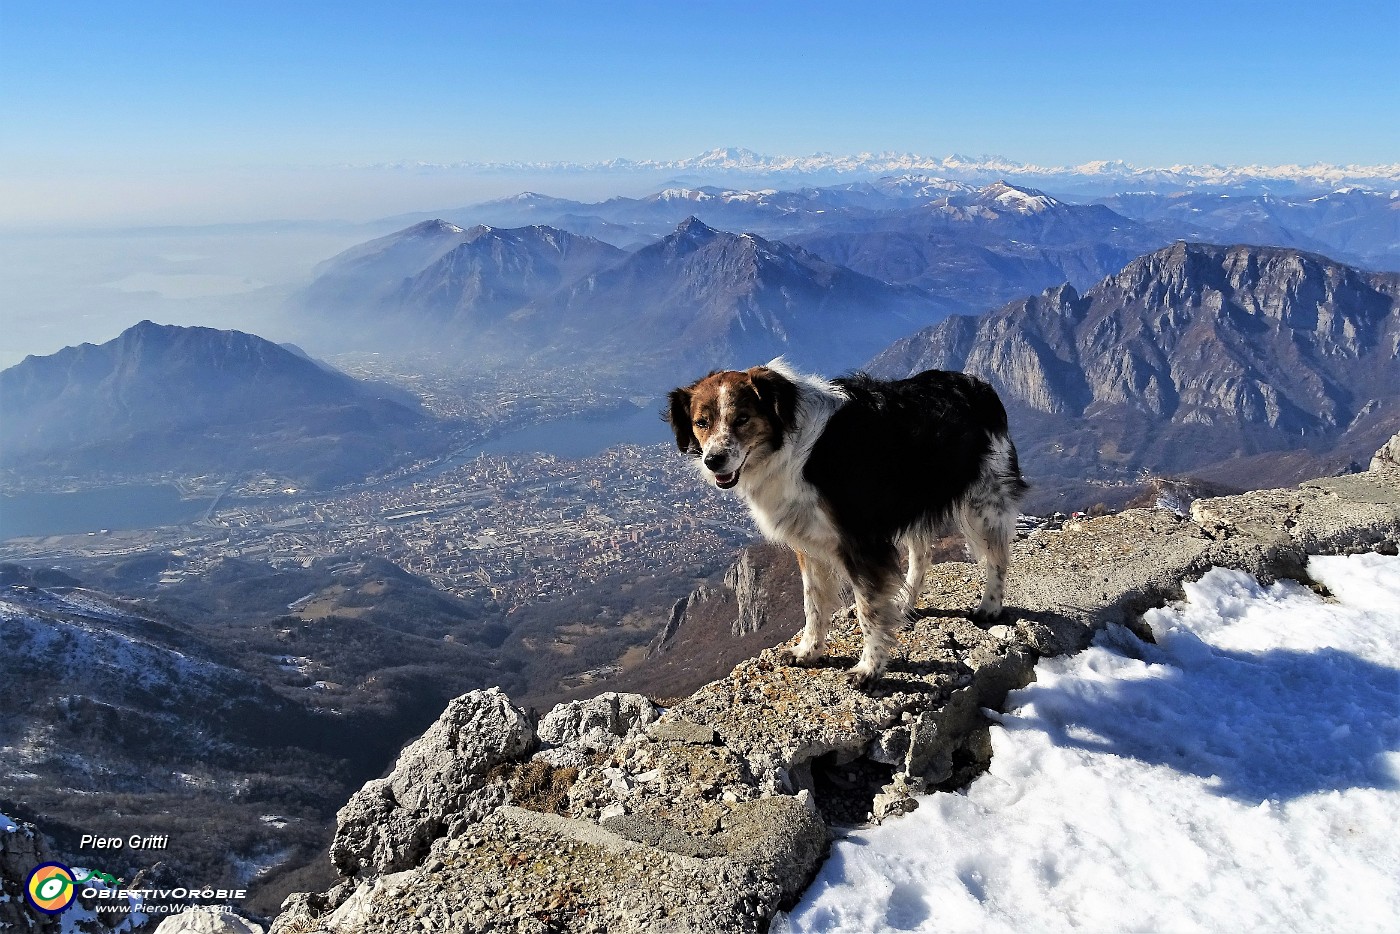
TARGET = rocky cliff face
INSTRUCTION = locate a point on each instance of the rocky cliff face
(711, 814)
(718, 625)
(759, 584)
(1190, 355)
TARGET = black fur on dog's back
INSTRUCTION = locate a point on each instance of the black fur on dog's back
(902, 452)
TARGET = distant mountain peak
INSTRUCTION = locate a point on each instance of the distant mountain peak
(146, 326)
(430, 227)
(161, 398)
(730, 156)
(695, 228)
(1017, 198)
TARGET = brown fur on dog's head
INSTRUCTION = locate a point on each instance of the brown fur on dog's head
(738, 413)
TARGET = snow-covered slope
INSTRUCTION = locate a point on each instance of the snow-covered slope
(1242, 774)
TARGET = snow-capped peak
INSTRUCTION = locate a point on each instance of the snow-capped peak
(1018, 199)
(684, 194)
(435, 226)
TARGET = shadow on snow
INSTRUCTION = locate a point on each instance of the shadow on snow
(1276, 724)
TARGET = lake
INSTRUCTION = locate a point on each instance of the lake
(145, 507)
(127, 507)
(579, 436)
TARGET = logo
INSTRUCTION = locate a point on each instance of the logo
(51, 888)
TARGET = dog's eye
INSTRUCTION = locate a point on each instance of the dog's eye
(741, 419)
(702, 423)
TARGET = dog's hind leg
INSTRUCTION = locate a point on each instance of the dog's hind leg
(989, 524)
(917, 547)
(821, 589)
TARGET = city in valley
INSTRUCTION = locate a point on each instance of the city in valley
(506, 529)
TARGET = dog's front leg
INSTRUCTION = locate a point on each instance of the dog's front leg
(989, 529)
(820, 591)
(876, 602)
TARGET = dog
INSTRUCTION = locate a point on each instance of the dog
(847, 472)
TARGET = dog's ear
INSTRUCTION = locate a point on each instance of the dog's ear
(678, 414)
(779, 394)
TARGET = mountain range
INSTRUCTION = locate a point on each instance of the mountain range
(1111, 174)
(1190, 357)
(441, 271)
(885, 203)
(1355, 225)
(973, 247)
(1194, 358)
(158, 399)
(1142, 351)
(704, 296)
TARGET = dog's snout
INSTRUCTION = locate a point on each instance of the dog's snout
(716, 459)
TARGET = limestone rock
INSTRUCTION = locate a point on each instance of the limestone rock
(389, 824)
(598, 722)
(208, 920)
(1388, 455)
(752, 596)
(680, 730)
(745, 579)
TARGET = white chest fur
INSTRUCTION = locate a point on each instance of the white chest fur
(784, 505)
(789, 510)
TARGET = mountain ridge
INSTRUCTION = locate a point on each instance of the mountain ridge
(1188, 356)
(720, 298)
(538, 294)
(158, 398)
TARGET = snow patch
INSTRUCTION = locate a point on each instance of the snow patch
(258, 864)
(1242, 774)
(297, 664)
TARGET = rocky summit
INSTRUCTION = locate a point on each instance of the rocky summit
(612, 815)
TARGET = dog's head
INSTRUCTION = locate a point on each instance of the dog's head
(732, 419)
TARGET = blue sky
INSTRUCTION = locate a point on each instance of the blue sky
(152, 96)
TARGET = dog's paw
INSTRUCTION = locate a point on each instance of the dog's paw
(983, 618)
(862, 679)
(791, 658)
